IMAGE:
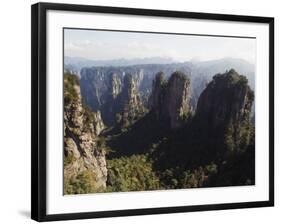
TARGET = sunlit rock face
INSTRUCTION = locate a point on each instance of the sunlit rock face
(81, 130)
(170, 99)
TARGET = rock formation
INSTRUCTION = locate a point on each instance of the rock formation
(224, 109)
(158, 94)
(115, 85)
(100, 86)
(170, 100)
(130, 101)
(98, 124)
(84, 163)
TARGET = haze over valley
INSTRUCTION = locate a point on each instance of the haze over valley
(144, 113)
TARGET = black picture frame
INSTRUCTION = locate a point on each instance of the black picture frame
(39, 122)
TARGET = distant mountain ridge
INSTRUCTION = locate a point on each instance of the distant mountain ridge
(197, 68)
(80, 62)
(75, 64)
(99, 83)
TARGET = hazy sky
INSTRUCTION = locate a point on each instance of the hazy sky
(107, 45)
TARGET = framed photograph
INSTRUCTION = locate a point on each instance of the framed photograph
(139, 111)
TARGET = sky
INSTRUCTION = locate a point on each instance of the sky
(109, 45)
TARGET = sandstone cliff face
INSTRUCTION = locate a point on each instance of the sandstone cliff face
(130, 101)
(103, 84)
(98, 125)
(100, 84)
(170, 100)
(82, 159)
(115, 86)
(158, 94)
(177, 98)
(224, 108)
(104, 87)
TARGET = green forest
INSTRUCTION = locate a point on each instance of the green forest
(158, 141)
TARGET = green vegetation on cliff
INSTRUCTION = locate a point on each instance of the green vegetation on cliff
(170, 146)
(84, 164)
(69, 92)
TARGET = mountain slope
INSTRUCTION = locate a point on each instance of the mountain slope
(84, 164)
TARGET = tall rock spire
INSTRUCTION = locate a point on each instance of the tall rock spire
(224, 109)
(170, 100)
(83, 161)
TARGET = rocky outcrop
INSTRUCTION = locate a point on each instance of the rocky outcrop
(170, 100)
(131, 105)
(98, 125)
(177, 98)
(82, 158)
(224, 109)
(100, 86)
(158, 94)
(115, 86)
